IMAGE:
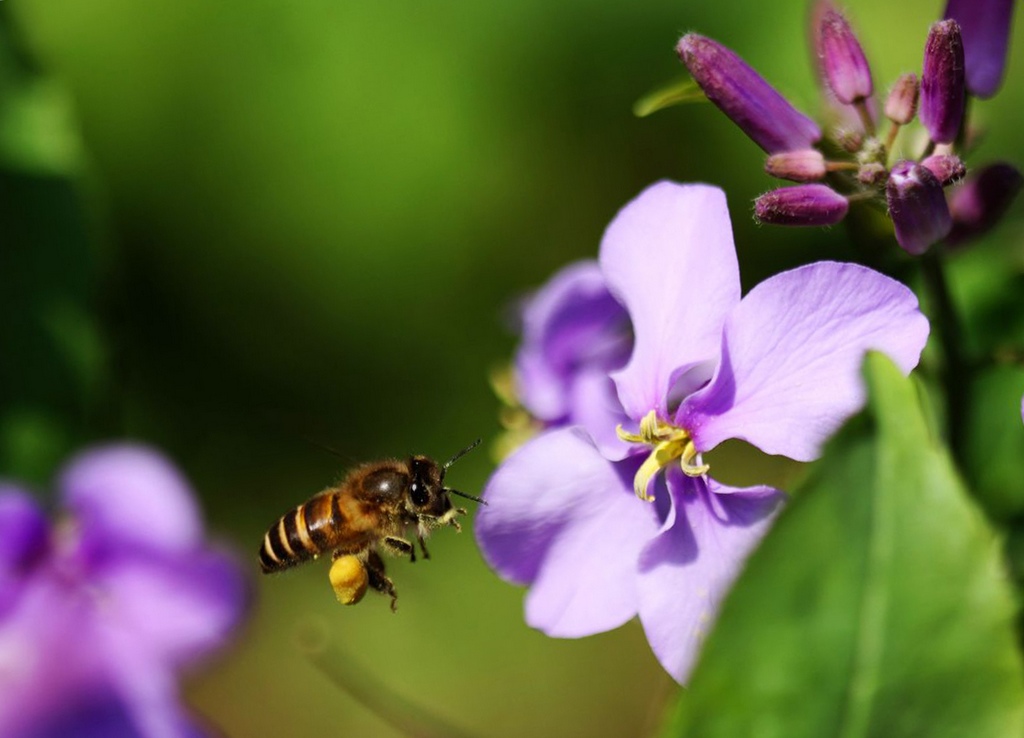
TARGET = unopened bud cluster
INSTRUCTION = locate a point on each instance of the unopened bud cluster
(870, 166)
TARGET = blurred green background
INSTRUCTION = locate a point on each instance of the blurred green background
(230, 229)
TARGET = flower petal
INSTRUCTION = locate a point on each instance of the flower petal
(572, 323)
(687, 570)
(563, 519)
(131, 495)
(24, 536)
(596, 408)
(176, 609)
(669, 258)
(24, 531)
(792, 352)
(985, 25)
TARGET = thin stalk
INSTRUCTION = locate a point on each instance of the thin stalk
(955, 370)
(374, 694)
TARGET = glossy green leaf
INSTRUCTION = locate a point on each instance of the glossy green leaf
(878, 605)
(676, 93)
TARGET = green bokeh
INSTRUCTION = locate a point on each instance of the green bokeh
(310, 220)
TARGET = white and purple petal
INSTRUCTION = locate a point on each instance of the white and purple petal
(687, 570)
(791, 357)
(564, 520)
(669, 257)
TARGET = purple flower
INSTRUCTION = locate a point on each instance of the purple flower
(856, 163)
(743, 95)
(574, 334)
(101, 610)
(985, 26)
(978, 204)
(917, 207)
(943, 93)
(844, 66)
(808, 204)
(779, 369)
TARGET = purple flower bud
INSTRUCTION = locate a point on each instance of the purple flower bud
(901, 105)
(842, 59)
(985, 27)
(980, 202)
(743, 95)
(947, 168)
(803, 205)
(917, 207)
(942, 82)
(805, 165)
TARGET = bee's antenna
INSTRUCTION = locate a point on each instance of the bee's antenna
(481, 500)
(458, 456)
(451, 461)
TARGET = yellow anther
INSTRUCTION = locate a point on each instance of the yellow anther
(668, 443)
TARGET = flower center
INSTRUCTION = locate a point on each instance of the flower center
(668, 443)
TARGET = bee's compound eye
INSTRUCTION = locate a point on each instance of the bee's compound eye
(419, 495)
(349, 579)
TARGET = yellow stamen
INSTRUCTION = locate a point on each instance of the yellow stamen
(669, 443)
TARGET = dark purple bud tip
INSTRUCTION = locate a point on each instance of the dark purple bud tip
(917, 207)
(942, 82)
(803, 205)
(985, 27)
(842, 59)
(947, 168)
(805, 165)
(901, 105)
(982, 200)
(743, 95)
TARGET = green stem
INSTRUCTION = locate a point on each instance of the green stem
(338, 666)
(955, 370)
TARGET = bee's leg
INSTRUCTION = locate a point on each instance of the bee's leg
(400, 547)
(423, 545)
(451, 518)
(379, 580)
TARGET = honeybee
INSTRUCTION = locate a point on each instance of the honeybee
(371, 509)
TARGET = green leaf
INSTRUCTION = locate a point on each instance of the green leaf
(676, 93)
(878, 605)
(995, 441)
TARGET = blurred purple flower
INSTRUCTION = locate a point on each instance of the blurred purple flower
(100, 611)
(779, 369)
(985, 25)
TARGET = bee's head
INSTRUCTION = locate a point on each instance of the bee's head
(427, 493)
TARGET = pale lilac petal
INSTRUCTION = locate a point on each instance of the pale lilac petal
(791, 357)
(597, 409)
(176, 610)
(687, 570)
(130, 495)
(669, 258)
(571, 324)
(563, 519)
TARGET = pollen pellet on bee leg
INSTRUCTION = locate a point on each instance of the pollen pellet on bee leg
(349, 579)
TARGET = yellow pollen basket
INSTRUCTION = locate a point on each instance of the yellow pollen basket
(669, 443)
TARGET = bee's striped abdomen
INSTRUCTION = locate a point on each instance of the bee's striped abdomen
(302, 534)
